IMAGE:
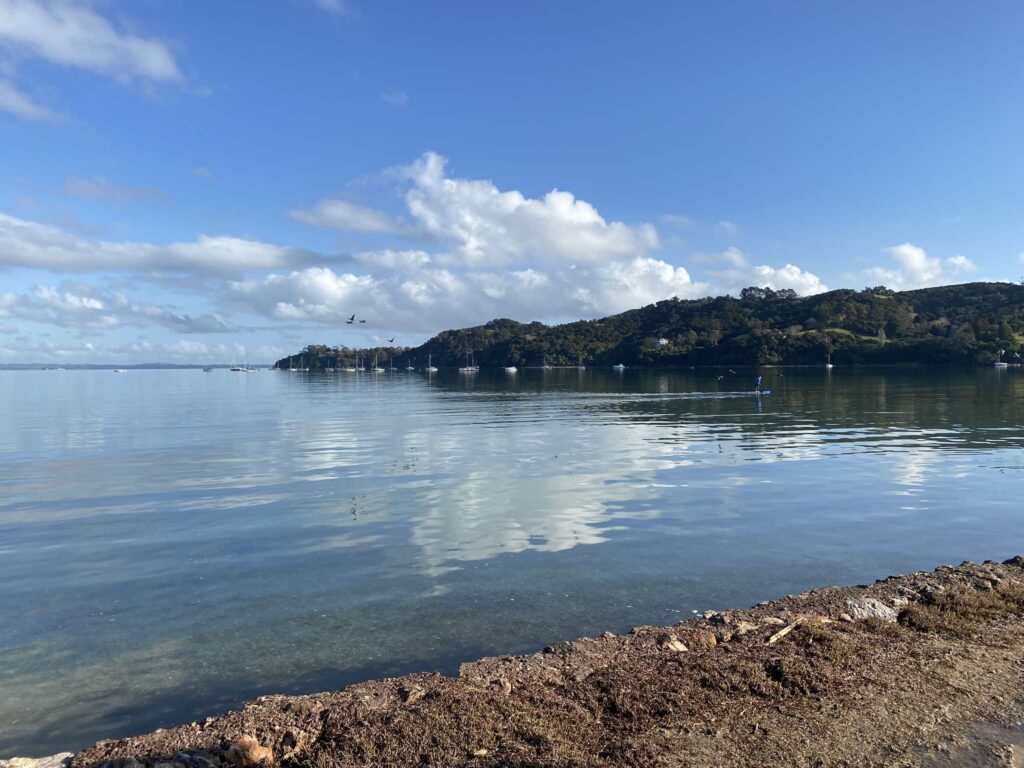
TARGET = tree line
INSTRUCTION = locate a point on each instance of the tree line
(968, 324)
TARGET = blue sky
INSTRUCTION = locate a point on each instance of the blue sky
(189, 181)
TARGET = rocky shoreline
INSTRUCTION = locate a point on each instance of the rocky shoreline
(923, 669)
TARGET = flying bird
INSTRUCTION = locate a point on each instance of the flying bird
(362, 321)
(391, 340)
(353, 317)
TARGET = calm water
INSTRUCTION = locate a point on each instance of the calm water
(175, 542)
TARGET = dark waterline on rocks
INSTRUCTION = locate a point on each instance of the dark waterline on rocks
(173, 543)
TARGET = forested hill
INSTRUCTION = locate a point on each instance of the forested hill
(952, 325)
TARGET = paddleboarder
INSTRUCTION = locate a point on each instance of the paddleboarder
(757, 385)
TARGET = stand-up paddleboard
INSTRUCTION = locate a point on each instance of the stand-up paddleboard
(762, 392)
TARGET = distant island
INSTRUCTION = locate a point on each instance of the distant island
(968, 324)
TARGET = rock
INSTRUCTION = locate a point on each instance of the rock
(560, 648)
(121, 762)
(775, 621)
(744, 628)
(411, 693)
(197, 759)
(502, 685)
(870, 608)
(671, 643)
(61, 760)
(293, 740)
(845, 617)
(481, 753)
(1017, 561)
(606, 634)
(705, 639)
(247, 751)
(166, 764)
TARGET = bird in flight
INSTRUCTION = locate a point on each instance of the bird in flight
(353, 317)
(362, 321)
(391, 340)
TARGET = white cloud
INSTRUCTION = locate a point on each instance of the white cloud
(72, 305)
(101, 189)
(185, 351)
(488, 253)
(411, 292)
(348, 216)
(489, 227)
(18, 104)
(484, 227)
(39, 246)
(678, 220)
(72, 34)
(396, 97)
(336, 7)
(727, 228)
(738, 273)
(916, 269)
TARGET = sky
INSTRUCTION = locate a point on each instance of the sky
(196, 181)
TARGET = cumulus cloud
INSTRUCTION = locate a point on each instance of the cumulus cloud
(80, 306)
(483, 226)
(737, 273)
(489, 227)
(348, 216)
(101, 189)
(487, 252)
(411, 292)
(20, 105)
(29, 244)
(73, 34)
(916, 269)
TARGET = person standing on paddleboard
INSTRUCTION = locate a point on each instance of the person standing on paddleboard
(757, 385)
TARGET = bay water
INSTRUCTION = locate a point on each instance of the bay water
(174, 542)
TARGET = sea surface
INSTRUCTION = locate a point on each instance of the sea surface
(175, 542)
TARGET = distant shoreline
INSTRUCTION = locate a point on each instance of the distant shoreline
(899, 670)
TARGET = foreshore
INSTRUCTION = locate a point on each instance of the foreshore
(922, 669)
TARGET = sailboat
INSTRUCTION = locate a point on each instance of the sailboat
(359, 364)
(619, 367)
(410, 366)
(580, 366)
(376, 368)
(235, 366)
(510, 369)
(467, 368)
(828, 360)
(999, 362)
(430, 365)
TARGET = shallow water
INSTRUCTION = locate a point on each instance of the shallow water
(175, 542)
